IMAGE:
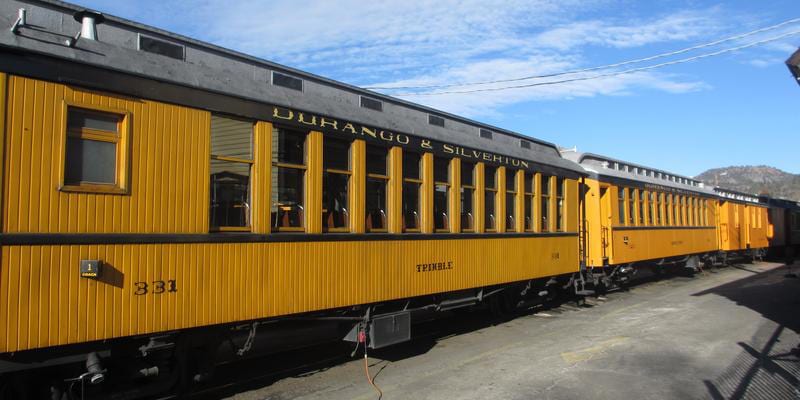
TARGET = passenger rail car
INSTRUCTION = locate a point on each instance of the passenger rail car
(636, 215)
(161, 196)
(743, 227)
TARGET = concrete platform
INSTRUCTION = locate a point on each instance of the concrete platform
(724, 334)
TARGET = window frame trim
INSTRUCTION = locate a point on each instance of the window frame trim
(122, 167)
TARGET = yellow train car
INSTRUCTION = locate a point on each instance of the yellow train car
(783, 227)
(160, 194)
(639, 216)
(743, 226)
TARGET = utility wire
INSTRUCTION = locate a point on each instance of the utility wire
(575, 71)
(610, 74)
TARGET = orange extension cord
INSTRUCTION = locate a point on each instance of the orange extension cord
(369, 377)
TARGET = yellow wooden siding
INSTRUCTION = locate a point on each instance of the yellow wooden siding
(632, 245)
(220, 283)
(169, 153)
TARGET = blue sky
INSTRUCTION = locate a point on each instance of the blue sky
(740, 108)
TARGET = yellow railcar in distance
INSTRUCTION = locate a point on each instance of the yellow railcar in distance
(640, 216)
(744, 225)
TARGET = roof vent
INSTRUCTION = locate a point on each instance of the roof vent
(435, 120)
(89, 21)
(372, 104)
(160, 47)
(290, 82)
(486, 134)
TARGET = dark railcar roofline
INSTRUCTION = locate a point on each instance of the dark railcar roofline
(297, 72)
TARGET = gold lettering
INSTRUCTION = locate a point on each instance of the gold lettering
(487, 156)
(426, 144)
(349, 127)
(301, 118)
(371, 132)
(402, 139)
(476, 154)
(333, 124)
(276, 113)
(515, 162)
(524, 164)
(385, 137)
(495, 158)
(447, 148)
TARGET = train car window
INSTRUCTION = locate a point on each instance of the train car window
(95, 151)
(441, 194)
(490, 195)
(467, 196)
(631, 206)
(412, 184)
(653, 209)
(377, 185)
(335, 185)
(545, 206)
(511, 200)
(621, 204)
(642, 206)
(684, 215)
(560, 204)
(288, 178)
(231, 164)
(530, 198)
(660, 209)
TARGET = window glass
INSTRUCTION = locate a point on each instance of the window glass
(560, 204)
(335, 193)
(467, 196)
(490, 174)
(91, 154)
(530, 198)
(288, 179)
(411, 205)
(490, 194)
(335, 184)
(467, 174)
(231, 162)
(511, 200)
(641, 198)
(489, 214)
(336, 154)
(376, 186)
(411, 191)
(79, 118)
(377, 160)
(411, 165)
(289, 147)
(467, 209)
(90, 161)
(621, 208)
(231, 137)
(441, 193)
(545, 206)
(631, 206)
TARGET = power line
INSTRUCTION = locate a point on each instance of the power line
(575, 71)
(610, 74)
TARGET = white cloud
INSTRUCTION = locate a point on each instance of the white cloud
(677, 27)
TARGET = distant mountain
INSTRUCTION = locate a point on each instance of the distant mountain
(759, 179)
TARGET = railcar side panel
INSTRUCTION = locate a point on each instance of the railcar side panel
(168, 149)
(631, 245)
(160, 287)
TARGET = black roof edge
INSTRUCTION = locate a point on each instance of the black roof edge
(794, 65)
(294, 71)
